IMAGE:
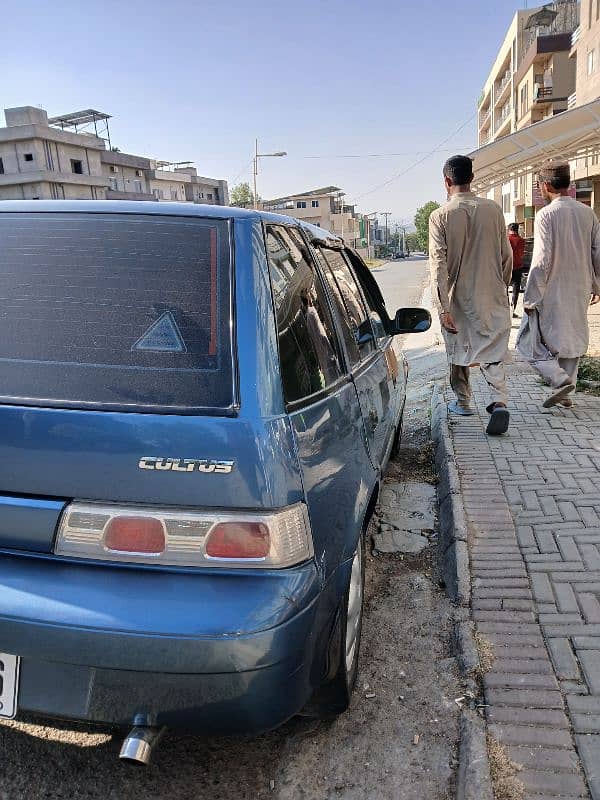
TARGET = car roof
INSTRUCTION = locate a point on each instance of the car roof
(164, 209)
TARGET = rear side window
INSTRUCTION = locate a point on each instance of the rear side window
(374, 310)
(115, 310)
(345, 287)
(307, 345)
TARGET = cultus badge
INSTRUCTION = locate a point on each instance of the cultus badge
(186, 465)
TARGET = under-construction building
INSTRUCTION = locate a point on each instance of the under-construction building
(71, 157)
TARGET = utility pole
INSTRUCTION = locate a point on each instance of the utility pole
(386, 214)
(255, 172)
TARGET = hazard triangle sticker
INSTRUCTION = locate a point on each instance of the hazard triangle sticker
(163, 336)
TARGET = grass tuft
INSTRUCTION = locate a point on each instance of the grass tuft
(504, 772)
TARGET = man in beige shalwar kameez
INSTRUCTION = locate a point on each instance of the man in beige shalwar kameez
(471, 265)
(563, 280)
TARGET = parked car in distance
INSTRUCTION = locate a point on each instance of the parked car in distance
(197, 404)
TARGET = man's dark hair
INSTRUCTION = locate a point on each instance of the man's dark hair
(513, 227)
(557, 173)
(459, 170)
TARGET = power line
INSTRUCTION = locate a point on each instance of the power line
(241, 172)
(378, 155)
(419, 161)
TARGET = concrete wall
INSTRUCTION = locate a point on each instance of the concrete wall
(125, 179)
(588, 86)
(168, 188)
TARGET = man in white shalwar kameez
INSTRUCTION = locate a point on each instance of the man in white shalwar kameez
(471, 265)
(563, 280)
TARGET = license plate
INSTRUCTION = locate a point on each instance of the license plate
(9, 685)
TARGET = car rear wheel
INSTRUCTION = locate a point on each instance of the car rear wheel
(334, 696)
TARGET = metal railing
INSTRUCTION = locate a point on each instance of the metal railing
(484, 117)
(506, 112)
(503, 83)
(572, 100)
(544, 92)
(575, 36)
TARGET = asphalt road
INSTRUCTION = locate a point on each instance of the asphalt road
(402, 281)
(398, 740)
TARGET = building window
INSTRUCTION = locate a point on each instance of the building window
(1, 167)
(524, 99)
(591, 61)
(506, 203)
(315, 203)
(209, 196)
(114, 169)
(138, 173)
(113, 184)
(28, 156)
(301, 204)
(76, 166)
(137, 187)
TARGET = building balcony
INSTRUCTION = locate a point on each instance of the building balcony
(575, 37)
(572, 100)
(546, 94)
(503, 119)
(484, 118)
(502, 89)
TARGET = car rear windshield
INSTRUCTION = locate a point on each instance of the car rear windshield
(115, 311)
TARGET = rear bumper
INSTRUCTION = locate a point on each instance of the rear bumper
(218, 653)
(249, 701)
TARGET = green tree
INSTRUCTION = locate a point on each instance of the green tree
(242, 196)
(412, 242)
(422, 224)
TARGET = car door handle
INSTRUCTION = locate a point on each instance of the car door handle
(373, 418)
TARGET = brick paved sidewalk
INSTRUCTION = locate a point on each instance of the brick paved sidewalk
(532, 499)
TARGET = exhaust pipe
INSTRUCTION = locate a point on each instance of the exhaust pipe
(139, 744)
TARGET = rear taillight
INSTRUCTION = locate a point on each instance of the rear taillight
(146, 535)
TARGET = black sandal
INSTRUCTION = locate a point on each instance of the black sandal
(499, 421)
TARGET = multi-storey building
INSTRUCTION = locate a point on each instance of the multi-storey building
(531, 79)
(326, 208)
(39, 159)
(585, 55)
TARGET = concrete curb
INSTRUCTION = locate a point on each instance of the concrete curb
(474, 780)
(454, 527)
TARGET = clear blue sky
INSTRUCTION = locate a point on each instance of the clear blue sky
(200, 80)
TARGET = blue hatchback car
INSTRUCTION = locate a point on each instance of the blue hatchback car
(197, 405)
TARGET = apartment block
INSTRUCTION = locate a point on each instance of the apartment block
(532, 78)
(585, 56)
(325, 208)
(40, 159)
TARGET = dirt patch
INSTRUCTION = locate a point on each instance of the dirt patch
(414, 461)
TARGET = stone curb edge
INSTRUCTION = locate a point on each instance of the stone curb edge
(474, 780)
(452, 518)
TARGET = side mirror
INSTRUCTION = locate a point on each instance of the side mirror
(411, 320)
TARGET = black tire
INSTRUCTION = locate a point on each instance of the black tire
(333, 697)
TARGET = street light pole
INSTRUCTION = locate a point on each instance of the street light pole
(258, 155)
(255, 172)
